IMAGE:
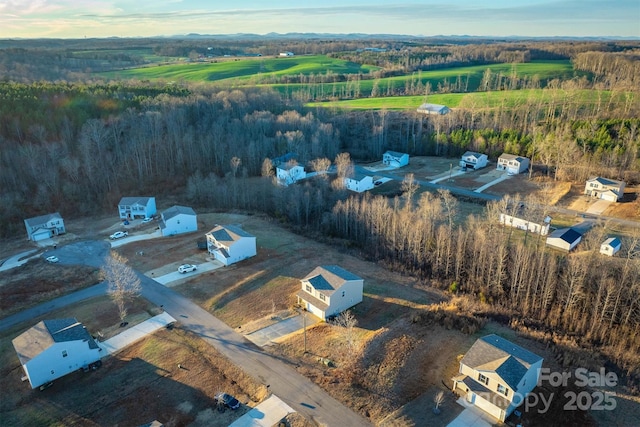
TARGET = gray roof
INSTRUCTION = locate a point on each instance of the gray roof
(472, 154)
(42, 219)
(228, 233)
(493, 353)
(328, 278)
(569, 235)
(44, 334)
(431, 107)
(395, 153)
(177, 210)
(358, 176)
(130, 201)
(605, 181)
(512, 157)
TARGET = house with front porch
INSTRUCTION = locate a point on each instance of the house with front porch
(54, 348)
(395, 159)
(606, 189)
(496, 375)
(473, 160)
(329, 290)
(44, 226)
(230, 244)
(137, 207)
(512, 164)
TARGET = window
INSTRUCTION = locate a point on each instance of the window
(342, 294)
(64, 353)
(484, 380)
(322, 297)
(309, 289)
(503, 390)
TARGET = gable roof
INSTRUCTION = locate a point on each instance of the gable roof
(605, 181)
(569, 235)
(328, 278)
(358, 176)
(228, 233)
(493, 353)
(47, 332)
(613, 242)
(129, 201)
(42, 219)
(288, 166)
(395, 153)
(177, 210)
(431, 107)
(512, 157)
(473, 154)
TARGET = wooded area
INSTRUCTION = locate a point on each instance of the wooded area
(79, 147)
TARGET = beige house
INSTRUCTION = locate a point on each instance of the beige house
(606, 189)
(496, 375)
(329, 290)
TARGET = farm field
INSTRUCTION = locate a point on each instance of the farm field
(242, 70)
(476, 100)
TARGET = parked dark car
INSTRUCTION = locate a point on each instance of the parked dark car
(228, 400)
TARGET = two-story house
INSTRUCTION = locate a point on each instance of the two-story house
(54, 348)
(329, 290)
(178, 220)
(395, 159)
(230, 244)
(496, 375)
(359, 182)
(290, 172)
(137, 207)
(473, 160)
(44, 226)
(606, 189)
(513, 164)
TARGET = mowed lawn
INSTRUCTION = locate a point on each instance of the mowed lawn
(493, 99)
(257, 69)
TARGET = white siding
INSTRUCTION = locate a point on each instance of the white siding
(50, 364)
(179, 224)
(345, 297)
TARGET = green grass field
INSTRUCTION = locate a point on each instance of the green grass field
(494, 99)
(246, 71)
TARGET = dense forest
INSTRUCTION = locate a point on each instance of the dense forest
(77, 145)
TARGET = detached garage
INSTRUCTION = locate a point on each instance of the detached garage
(564, 239)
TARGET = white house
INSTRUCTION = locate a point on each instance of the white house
(137, 207)
(329, 290)
(395, 159)
(44, 226)
(610, 246)
(564, 239)
(606, 189)
(54, 348)
(286, 53)
(359, 182)
(496, 375)
(230, 244)
(290, 172)
(178, 220)
(433, 109)
(512, 164)
(473, 160)
(523, 224)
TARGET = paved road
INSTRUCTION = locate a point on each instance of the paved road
(283, 380)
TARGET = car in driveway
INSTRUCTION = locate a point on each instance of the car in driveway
(52, 259)
(227, 400)
(144, 221)
(119, 235)
(187, 268)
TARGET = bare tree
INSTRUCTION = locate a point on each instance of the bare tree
(344, 166)
(321, 166)
(409, 186)
(347, 322)
(123, 282)
(438, 399)
(267, 168)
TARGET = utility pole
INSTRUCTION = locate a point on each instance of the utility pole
(450, 169)
(304, 323)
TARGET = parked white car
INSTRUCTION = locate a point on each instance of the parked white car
(118, 235)
(144, 221)
(186, 268)
(52, 259)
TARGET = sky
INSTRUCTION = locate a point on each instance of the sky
(146, 18)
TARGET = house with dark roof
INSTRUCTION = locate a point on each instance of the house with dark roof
(495, 375)
(137, 207)
(178, 220)
(473, 160)
(513, 164)
(611, 246)
(289, 173)
(606, 189)
(54, 348)
(329, 290)
(359, 182)
(395, 159)
(230, 244)
(564, 239)
(433, 109)
(44, 226)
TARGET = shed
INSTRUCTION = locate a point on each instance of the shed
(610, 246)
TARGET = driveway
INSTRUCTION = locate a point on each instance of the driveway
(17, 260)
(135, 333)
(135, 238)
(598, 207)
(472, 417)
(504, 177)
(173, 277)
(270, 334)
(448, 175)
(266, 414)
